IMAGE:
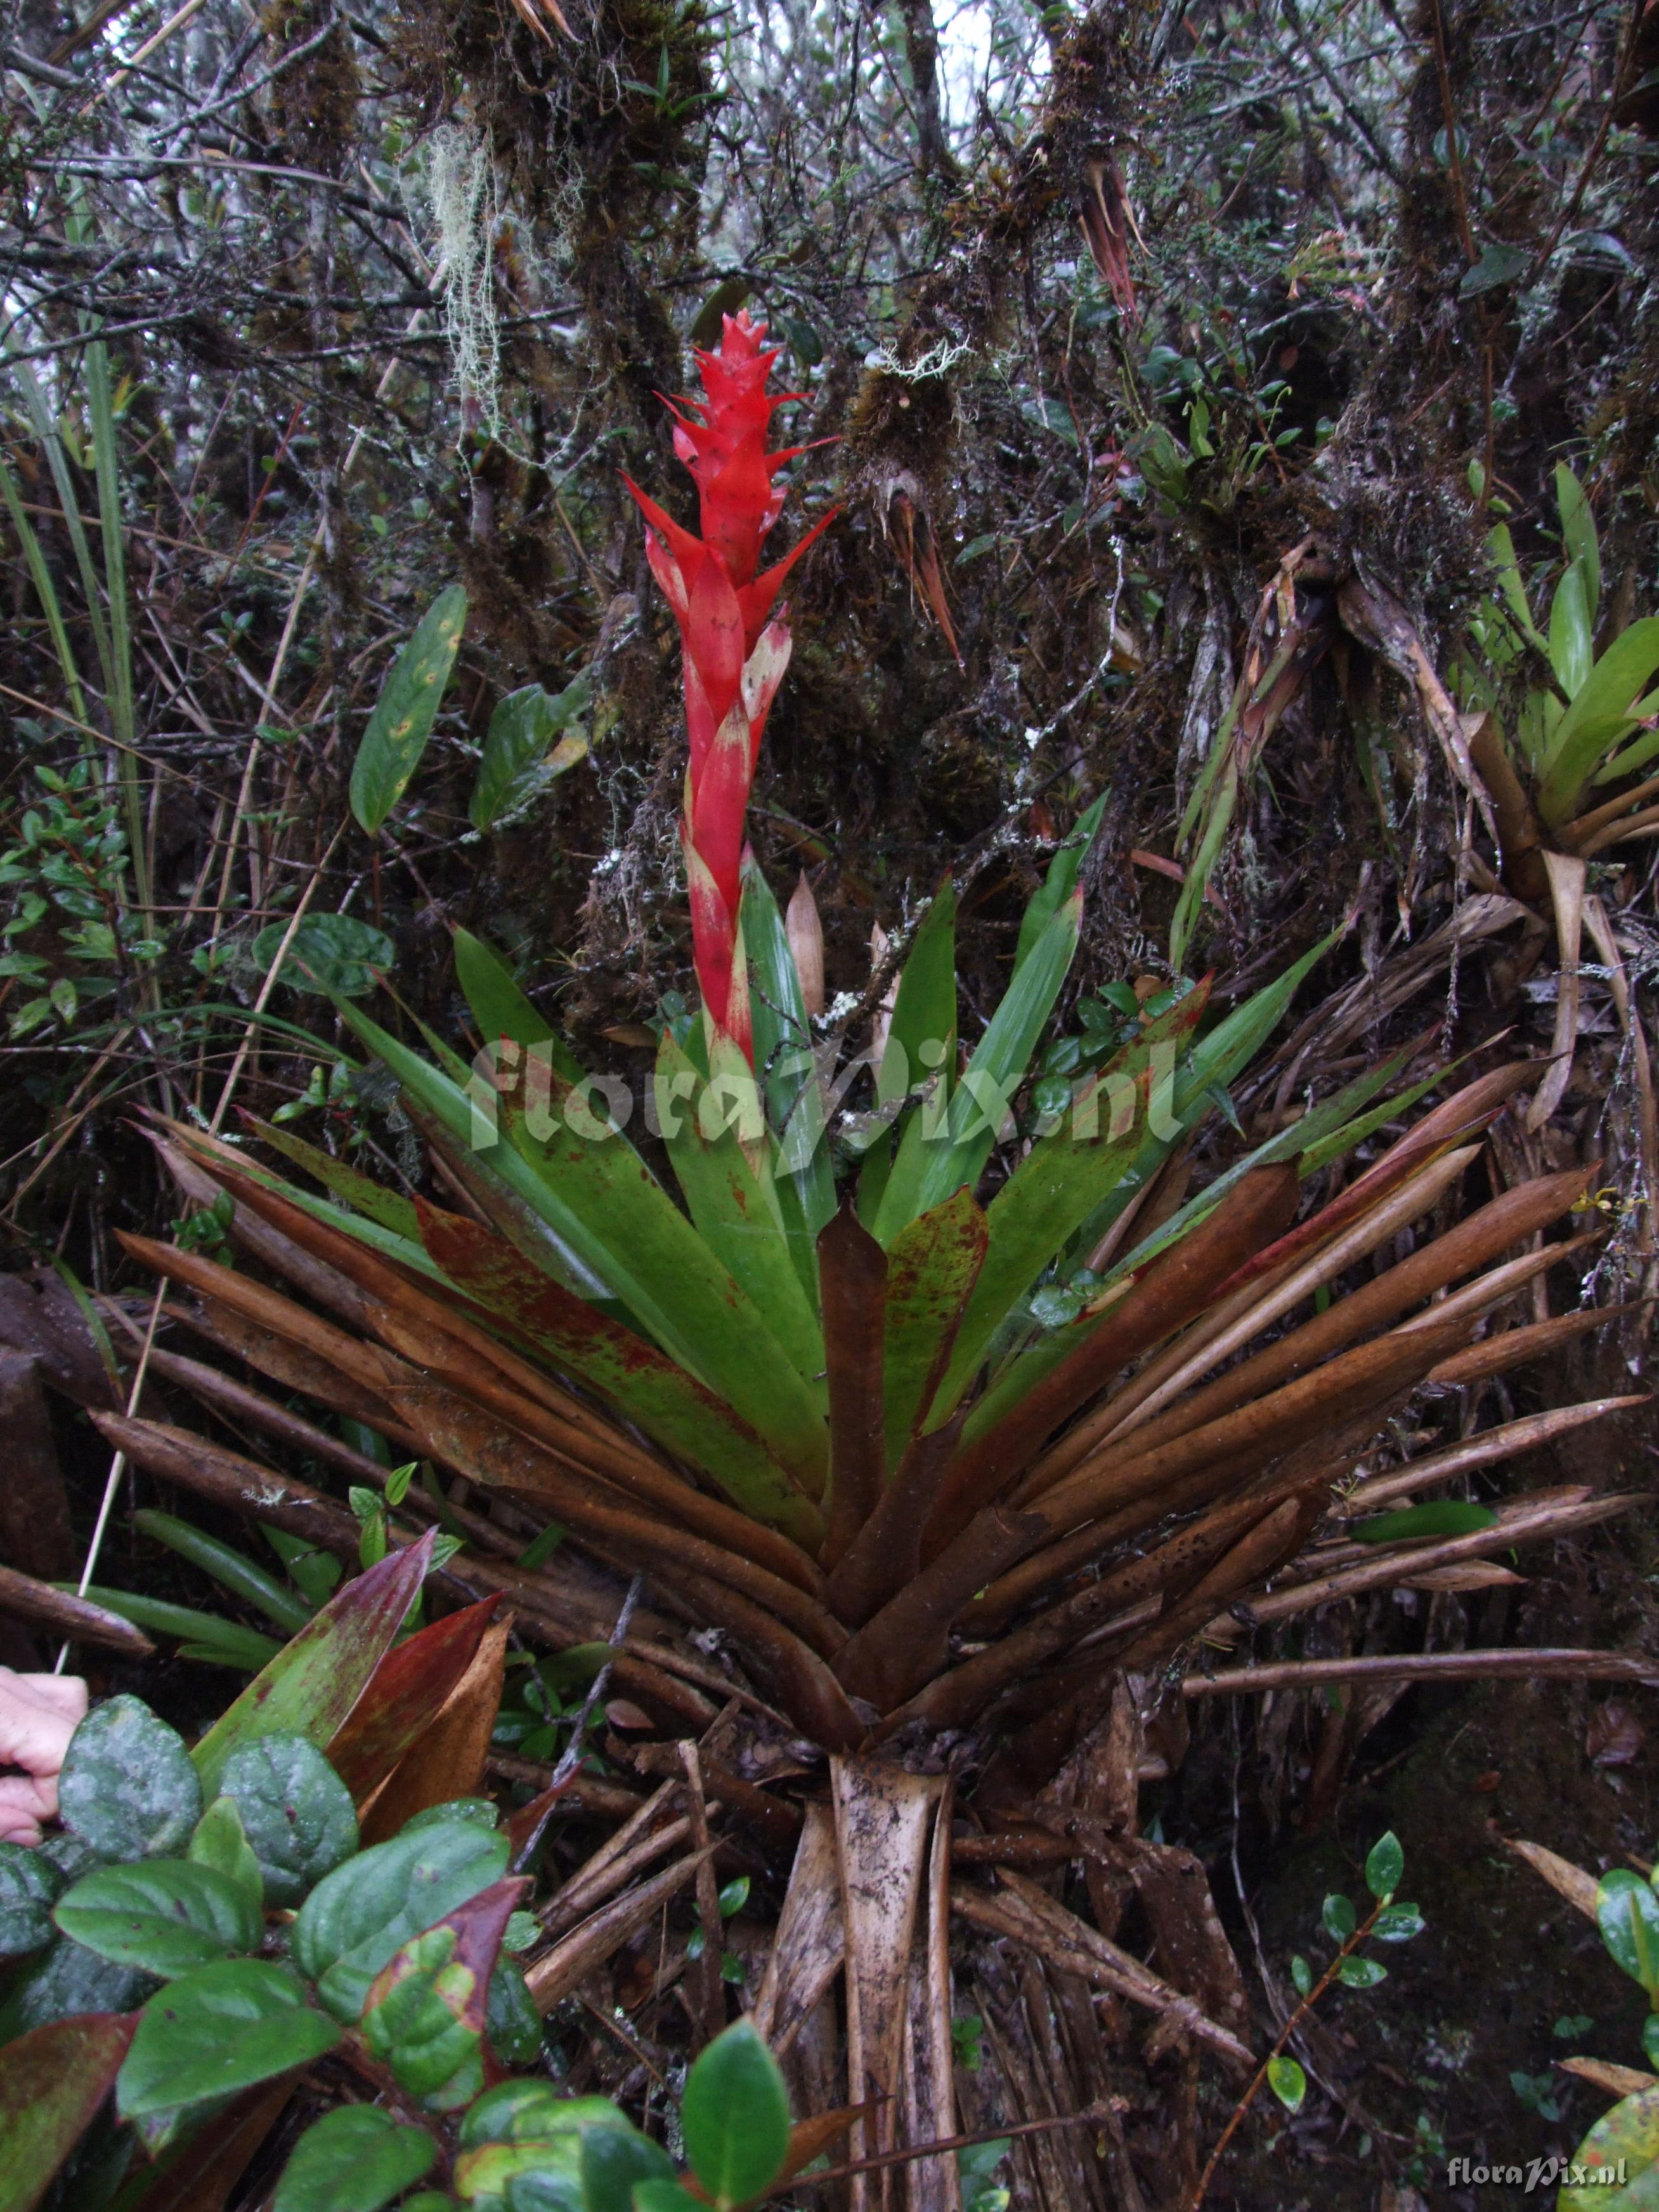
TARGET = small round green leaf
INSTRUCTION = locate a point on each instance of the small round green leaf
(1337, 1917)
(28, 1884)
(128, 1787)
(166, 1916)
(1361, 1973)
(1385, 1866)
(736, 2116)
(354, 2159)
(1650, 2038)
(1628, 2135)
(1398, 1924)
(1288, 2081)
(513, 2026)
(331, 953)
(1301, 1975)
(297, 1813)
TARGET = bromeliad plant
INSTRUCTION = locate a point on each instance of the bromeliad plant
(1589, 728)
(211, 1925)
(906, 1445)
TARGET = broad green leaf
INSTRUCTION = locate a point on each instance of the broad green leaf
(1288, 2081)
(1499, 263)
(228, 1643)
(526, 2133)
(315, 1680)
(67, 1980)
(230, 1568)
(934, 1163)
(331, 954)
(297, 1813)
(355, 2158)
(359, 1915)
(525, 748)
(932, 1268)
(613, 2161)
(1578, 535)
(128, 1788)
(399, 728)
(1598, 716)
(1628, 1912)
(53, 2083)
(735, 2114)
(1445, 1516)
(785, 1063)
(28, 1884)
(212, 2034)
(664, 2197)
(1625, 2139)
(618, 1219)
(670, 1405)
(221, 1842)
(168, 1917)
(1385, 1865)
(729, 1190)
(1060, 881)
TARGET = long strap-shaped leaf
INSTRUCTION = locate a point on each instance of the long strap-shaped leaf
(1061, 1180)
(853, 1274)
(728, 1187)
(934, 1163)
(670, 1405)
(932, 1269)
(602, 1202)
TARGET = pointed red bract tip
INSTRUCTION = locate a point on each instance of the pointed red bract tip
(732, 650)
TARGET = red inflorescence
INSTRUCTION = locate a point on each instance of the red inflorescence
(734, 657)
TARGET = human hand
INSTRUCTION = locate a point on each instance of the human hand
(39, 1714)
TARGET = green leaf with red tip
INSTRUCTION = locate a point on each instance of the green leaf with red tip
(424, 2015)
(52, 2085)
(404, 1695)
(317, 1677)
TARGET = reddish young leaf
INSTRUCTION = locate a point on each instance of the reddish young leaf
(404, 1695)
(316, 1679)
(54, 2081)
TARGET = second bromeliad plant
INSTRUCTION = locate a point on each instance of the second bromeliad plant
(831, 1422)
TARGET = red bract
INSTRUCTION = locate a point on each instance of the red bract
(734, 657)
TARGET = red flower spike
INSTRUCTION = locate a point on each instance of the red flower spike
(734, 651)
